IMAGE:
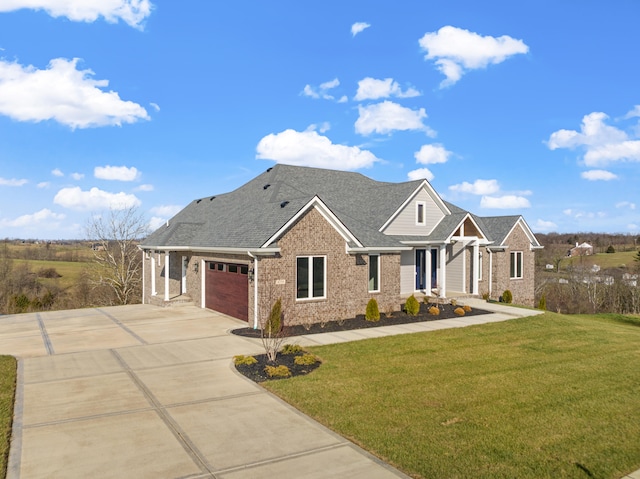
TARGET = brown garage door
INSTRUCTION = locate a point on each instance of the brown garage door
(227, 289)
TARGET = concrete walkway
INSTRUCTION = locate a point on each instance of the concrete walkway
(147, 392)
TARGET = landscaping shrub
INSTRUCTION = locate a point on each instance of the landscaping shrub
(459, 311)
(291, 349)
(274, 324)
(305, 360)
(244, 360)
(277, 371)
(412, 307)
(507, 297)
(48, 273)
(453, 302)
(372, 313)
(611, 249)
(434, 311)
(389, 310)
(542, 304)
(467, 308)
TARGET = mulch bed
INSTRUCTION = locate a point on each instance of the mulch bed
(256, 372)
(398, 317)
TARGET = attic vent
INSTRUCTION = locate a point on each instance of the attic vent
(266, 186)
(198, 201)
(283, 204)
(269, 169)
(212, 198)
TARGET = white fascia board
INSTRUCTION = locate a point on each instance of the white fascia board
(213, 249)
(430, 191)
(327, 214)
(527, 231)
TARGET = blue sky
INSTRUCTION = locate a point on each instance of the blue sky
(506, 107)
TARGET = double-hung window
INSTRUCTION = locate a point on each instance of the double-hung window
(311, 277)
(374, 273)
(515, 265)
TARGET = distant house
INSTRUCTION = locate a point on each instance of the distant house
(584, 249)
(326, 241)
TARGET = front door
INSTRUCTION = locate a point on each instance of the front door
(434, 268)
(421, 269)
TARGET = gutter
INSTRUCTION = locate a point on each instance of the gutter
(205, 249)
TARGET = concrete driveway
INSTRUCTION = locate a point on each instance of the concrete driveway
(147, 392)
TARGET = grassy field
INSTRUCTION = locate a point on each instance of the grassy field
(7, 392)
(604, 260)
(70, 271)
(550, 396)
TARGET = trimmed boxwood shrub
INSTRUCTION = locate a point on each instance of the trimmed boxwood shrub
(467, 308)
(412, 307)
(281, 371)
(372, 313)
(459, 311)
(244, 360)
(434, 311)
(305, 360)
(507, 297)
(291, 349)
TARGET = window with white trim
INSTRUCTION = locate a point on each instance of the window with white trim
(515, 265)
(311, 277)
(374, 273)
(420, 213)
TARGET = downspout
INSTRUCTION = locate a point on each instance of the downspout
(490, 271)
(143, 274)
(255, 290)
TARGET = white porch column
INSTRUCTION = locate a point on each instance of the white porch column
(427, 270)
(442, 276)
(153, 274)
(166, 276)
(476, 266)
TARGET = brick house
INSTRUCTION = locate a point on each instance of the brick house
(326, 241)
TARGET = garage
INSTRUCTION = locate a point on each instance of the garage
(227, 289)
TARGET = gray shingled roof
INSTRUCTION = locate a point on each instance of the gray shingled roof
(248, 216)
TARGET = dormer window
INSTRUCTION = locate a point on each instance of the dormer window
(420, 213)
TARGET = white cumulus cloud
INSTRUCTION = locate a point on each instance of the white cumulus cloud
(132, 12)
(62, 93)
(12, 182)
(478, 187)
(544, 226)
(77, 176)
(165, 210)
(57, 172)
(358, 27)
(145, 187)
(373, 89)
(43, 216)
(420, 174)
(504, 202)
(308, 148)
(387, 117)
(322, 91)
(118, 173)
(626, 204)
(603, 144)
(95, 199)
(431, 154)
(456, 50)
(595, 175)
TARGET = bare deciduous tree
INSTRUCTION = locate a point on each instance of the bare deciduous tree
(118, 261)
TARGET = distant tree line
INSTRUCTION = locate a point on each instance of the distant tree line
(112, 276)
(581, 287)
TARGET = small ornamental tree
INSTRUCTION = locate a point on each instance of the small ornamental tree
(373, 313)
(412, 307)
(272, 333)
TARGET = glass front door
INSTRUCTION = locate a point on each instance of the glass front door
(421, 269)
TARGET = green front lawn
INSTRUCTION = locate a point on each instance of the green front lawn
(7, 392)
(549, 396)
